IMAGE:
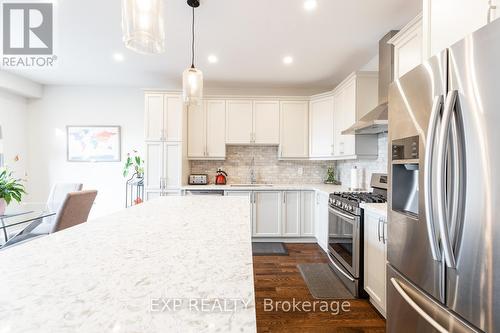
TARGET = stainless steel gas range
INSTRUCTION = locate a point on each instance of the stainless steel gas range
(345, 232)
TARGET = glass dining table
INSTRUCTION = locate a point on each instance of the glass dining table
(16, 216)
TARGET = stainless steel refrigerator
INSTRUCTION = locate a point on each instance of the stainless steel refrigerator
(444, 204)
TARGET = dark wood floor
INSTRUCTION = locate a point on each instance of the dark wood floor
(277, 277)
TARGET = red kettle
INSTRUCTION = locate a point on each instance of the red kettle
(220, 177)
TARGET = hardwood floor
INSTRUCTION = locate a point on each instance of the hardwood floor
(278, 278)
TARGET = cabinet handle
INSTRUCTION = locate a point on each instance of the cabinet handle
(333, 149)
(384, 223)
(284, 197)
(378, 230)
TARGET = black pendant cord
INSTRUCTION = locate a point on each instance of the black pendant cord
(192, 44)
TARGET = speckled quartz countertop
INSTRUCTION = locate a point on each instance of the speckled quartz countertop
(324, 188)
(173, 264)
(377, 208)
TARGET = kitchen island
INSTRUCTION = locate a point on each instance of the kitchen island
(174, 264)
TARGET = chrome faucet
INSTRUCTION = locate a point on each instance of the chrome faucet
(253, 176)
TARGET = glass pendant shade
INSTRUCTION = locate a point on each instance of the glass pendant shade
(192, 86)
(143, 27)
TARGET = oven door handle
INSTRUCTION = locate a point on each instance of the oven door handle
(332, 260)
(337, 212)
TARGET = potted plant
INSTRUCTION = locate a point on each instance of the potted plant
(330, 176)
(134, 162)
(10, 189)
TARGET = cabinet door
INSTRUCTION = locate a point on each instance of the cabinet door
(239, 122)
(153, 172)
(154, 121)
(266, 126)
(291, 213)
(307, 213)
(321, 128)
(322, 220)
(172, 165)
(196, 131)
(375, 261)
(338, 123)
(452, 20)
(348, 115)
(172, 118)
(294, 130)
(267, 214)
(216, 128)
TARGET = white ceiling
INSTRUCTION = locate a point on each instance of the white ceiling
(250, 38)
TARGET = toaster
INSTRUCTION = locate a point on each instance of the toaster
(198, 180)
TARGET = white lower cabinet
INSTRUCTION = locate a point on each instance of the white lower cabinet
(280, 213)
(162, 167)
(267, 211)
(375, 259)
(321, 220)
(291, 213)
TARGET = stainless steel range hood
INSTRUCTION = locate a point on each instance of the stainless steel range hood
(376, 120)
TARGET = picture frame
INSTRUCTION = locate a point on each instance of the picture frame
(93, 143)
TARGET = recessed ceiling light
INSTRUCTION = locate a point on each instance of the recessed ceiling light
(118, 57)
(212, 59)
(310, 5)
(287, 60)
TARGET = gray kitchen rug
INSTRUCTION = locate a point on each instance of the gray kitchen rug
(322, 282)
(269, 249)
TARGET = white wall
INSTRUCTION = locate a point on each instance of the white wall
(77, 105)
(13, 119)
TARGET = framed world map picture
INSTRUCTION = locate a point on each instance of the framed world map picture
(94, 143)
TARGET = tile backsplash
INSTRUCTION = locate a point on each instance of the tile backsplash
(366, 167)
(271, 170)
(268, 168)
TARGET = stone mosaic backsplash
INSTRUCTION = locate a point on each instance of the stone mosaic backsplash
(366, 167)
(269, 169)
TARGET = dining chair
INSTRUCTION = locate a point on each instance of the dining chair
(55, 200)
(74, 210)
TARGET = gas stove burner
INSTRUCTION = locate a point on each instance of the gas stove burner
(350, 201)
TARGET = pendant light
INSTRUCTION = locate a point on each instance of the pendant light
(143, 27)
(192, 78)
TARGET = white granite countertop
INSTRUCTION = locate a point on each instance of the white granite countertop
(116, 273)
(324, 188)
(377, 208)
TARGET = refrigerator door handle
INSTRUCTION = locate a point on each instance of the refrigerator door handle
(441, 178)
(429, 176)
(417, 309)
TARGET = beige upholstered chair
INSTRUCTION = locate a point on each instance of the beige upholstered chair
(74, 210)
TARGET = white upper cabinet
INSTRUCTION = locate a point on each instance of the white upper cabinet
(321, 124)
(448, 21)
(216, 124)
(252, 122)
(294, 129)
(353, 98)
(163, 117)
(239, 122)
(266, 122)
(196, 131)
(206, 130)
(408, 47)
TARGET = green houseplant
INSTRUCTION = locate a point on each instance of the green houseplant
(10, 189)
(134, 162)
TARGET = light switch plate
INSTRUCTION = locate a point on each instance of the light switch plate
(300, 171)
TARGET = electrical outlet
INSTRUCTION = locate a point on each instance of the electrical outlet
(300, 171)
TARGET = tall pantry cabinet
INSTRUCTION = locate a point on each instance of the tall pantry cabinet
(164, 152)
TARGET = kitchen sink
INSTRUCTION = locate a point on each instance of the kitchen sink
(251, 185)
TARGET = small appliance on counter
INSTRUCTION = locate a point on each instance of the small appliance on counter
(198, 180)
(220, 177)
